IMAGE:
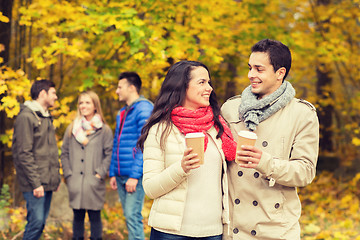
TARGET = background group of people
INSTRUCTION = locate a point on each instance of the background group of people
(255, 198)
(88, 153)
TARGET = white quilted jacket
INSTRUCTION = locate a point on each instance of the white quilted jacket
(165, 181)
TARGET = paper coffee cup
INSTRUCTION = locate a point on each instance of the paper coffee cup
(245, 138)
(196, 142)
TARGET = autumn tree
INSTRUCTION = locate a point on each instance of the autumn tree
(5, 33)
(82, 45)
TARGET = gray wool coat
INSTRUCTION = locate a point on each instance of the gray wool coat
(81, 163)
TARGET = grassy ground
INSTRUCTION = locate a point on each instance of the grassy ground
(330, 211)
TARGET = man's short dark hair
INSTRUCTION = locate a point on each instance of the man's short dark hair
(133, 79)
(279, 54)
(40, 85)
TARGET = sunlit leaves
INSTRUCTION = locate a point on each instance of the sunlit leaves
(14, 85)
(330, 208)
(356, 141)
(86, 44)
(3, 18)
(62, 113)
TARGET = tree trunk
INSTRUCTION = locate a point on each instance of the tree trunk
(230, 89)
(326, 112)
(5, 34)
(324, 81)
(5, 28)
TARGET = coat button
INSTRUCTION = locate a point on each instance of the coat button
(237, 201)
(253, 232)
(82, 160)
(235, 230)
(82, 147)
(264, 143)
(277, 205)
(255, 203)
(81, 173)
(240, 173)
(256, 175)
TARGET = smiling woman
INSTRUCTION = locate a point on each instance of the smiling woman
(85, 157)
(199, 89)
(172, 173)
(86, 107)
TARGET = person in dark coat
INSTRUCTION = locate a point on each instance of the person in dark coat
(36, 157)
(85, 158)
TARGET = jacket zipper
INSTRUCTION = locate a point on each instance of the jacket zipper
(121, 126)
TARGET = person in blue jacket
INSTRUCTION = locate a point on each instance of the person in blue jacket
(126, 168)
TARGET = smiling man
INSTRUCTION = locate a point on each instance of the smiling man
(263, 198)
(36, 157)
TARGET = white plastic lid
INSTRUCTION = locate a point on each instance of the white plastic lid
(195, 135)
(247, 134)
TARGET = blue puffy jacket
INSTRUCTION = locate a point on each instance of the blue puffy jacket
(126, 160)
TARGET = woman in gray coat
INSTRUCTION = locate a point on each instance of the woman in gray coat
(85, 158)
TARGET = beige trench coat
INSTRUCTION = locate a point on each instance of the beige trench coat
(264, 203)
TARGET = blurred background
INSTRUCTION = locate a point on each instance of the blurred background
(85, 44)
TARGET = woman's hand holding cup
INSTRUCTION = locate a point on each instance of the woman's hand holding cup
(189, 160)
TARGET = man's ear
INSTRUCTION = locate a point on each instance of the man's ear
(133, 88)
(42, 94)
(280, 73)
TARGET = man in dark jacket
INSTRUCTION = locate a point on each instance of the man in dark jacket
(35, 155)
(127, 162)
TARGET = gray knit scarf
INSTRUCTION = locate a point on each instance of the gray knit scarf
(253, 111)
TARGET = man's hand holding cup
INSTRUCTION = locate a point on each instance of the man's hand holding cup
(247, 155)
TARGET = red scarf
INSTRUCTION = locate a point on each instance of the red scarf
(201, 120)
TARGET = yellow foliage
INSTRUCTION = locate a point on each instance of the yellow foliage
(3, 18)
(86, 44)
(345, 201)
(15, 85)
(3, 87)
(339, 217)
(356, 141)
(311, 229)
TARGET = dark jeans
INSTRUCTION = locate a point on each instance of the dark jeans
(37, 212)
(95, 223)
(157, 235)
